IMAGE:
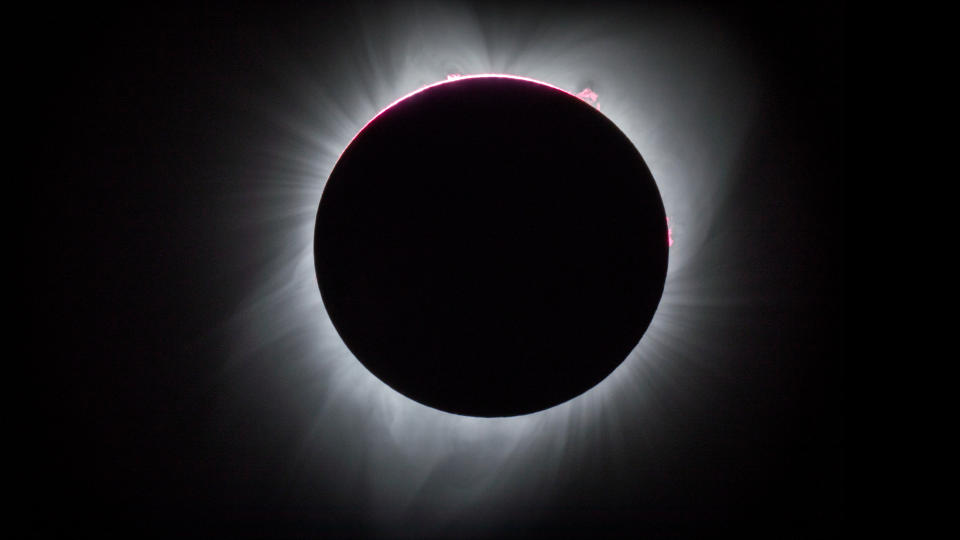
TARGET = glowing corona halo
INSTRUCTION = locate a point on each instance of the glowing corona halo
(491, 246)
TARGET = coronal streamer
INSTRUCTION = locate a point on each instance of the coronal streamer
(670, 82)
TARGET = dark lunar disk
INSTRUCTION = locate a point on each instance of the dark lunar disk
(491, 246)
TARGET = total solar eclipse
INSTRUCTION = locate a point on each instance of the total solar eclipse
(491, 246)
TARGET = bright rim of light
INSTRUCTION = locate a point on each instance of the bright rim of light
(458, 77)
(681, 98)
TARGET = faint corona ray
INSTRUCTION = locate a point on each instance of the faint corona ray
(672, 84)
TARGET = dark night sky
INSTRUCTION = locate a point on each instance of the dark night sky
(132, 266)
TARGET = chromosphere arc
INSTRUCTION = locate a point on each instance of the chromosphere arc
(491, 246)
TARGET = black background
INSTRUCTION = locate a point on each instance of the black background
(131, 144)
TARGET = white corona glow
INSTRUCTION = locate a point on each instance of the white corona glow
(672, 84)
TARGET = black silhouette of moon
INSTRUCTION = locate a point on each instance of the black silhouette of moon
(491, 246)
